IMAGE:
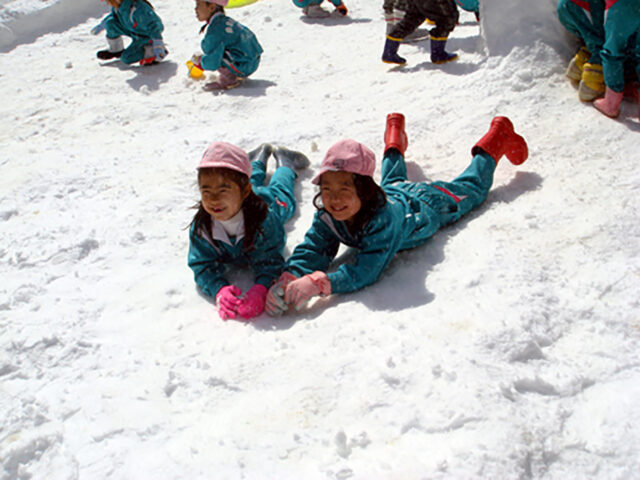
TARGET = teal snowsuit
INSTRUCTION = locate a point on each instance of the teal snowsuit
(469, 5)
(585, 19)
(412, 214)
(209, 258)
(138, 20)
(621, 26)
(306, 3)
(229, 44)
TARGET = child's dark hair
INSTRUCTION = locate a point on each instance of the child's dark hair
(371, 196)
(254, 208)
(218, 9)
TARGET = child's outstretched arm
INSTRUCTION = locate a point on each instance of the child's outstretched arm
(204, 260)
(381, 240)
(317, 250)
(266, 259)
(101, 26)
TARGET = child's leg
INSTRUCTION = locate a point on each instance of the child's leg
(114, 33)
(394, 168)
(112, 28)
(258, 173)
(282, 187)
(259, 157)
(444, 14)
(396, 141)
(135, 51)
(622, 21)
(467, 191)
(588, 28)
(306, 3)
(411, 20)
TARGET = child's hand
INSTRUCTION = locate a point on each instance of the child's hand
(228, 301)
(159, 49)
(252, 303)
(275, 304)
(99, 27)
(300, 291)
(196, 60)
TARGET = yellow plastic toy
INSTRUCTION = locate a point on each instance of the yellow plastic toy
(239, 3)
(194, 71)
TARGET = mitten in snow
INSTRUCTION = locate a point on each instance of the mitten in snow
(275, 304)
(252, 303)
(300, 291)
(228, 301)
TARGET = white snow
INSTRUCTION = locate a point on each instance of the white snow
(505, 348)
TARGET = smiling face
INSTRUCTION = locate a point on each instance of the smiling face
(204, 10)
(221, 197)
(339, 195)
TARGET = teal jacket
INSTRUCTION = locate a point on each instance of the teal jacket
(404, 222)
(229, 44)
(209, 258)
(134, 18)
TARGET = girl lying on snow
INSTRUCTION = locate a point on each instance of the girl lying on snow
(239, 221)
(380, 220)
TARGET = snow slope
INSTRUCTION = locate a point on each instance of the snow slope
(507, 347)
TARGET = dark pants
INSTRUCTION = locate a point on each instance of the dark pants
(443, 12)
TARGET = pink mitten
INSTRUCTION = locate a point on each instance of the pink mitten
(300, 291)
(275, 305)
(228, 301)
(252, 303)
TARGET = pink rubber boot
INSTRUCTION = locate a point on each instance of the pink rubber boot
(610, 104)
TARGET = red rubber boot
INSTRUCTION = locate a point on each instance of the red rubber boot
(501, 139)
(394, 134)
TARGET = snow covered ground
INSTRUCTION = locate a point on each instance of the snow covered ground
(508, 347)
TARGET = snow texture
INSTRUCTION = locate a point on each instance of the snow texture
(505, 348)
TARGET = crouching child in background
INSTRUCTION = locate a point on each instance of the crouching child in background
(136, 19)
(228, 46)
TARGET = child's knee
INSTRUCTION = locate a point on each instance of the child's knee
(304, 3)
(133, 53)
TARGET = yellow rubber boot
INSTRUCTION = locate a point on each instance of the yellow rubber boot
(592, 83)
(576, 65)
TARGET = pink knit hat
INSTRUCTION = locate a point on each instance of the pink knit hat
(225, 155)
(347, 156)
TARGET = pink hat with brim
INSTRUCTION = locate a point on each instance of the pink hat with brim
(347, 156)
(225, 155)
(222, 3)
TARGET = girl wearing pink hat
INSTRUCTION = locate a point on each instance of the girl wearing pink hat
(380, 220)
(228, 47)
(241, 222)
